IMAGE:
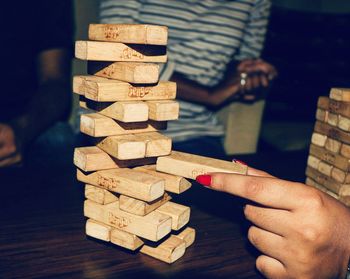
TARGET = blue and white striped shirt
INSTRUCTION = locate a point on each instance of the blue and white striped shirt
(204, 36)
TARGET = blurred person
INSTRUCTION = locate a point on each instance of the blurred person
(300, 231)
(36, 55)
(213, 55)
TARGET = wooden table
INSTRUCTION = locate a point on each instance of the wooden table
(42, 228)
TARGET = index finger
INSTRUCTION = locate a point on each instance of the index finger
(267, 191)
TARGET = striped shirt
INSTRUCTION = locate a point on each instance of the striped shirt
(204, 36)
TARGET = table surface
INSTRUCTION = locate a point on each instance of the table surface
(42, 227)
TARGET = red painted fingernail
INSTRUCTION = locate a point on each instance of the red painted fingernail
(239, 162)
(204, 179)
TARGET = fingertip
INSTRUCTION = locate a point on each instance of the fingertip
(204, 179)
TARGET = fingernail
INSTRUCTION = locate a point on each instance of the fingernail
(239, 162)
(204, 179)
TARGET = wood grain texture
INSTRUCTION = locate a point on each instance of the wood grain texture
(99, 195)
(180, 214)
(188, 235)
(323, 103)
(133, 72)
(128, 182)
(333, 145)
(153, 226)
(98, 230)
(332, 132)
(340, 94)
(341, 108)
(97, 125)
(163, 110)
(129, 33)
(156, 144)
(110, 51)
(190, 165)
(126, 240)
(101, 89)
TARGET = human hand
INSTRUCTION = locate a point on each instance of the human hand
(9, 153)
(301, 232)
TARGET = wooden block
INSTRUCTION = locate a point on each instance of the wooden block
(325, 168)
(340, 94)
(83, 102)
(129, 111)
(334, 159)
(188, 235)
(169, 251)
(323, 102)
(322, 115)
(129, 33)
(345, 150)
(341, 108)
(126, 240)
(139, 207)
(332, 119)
(310, 182)
(128, 182)
(333, 145)
(313, 162)
(110, 51)
(101, 89)
(163, 110)
(338, 175)
(325, 180)
(173, 183)
(344, 123)
(133, 72)
(123, 147)
(156, 144)
(98, 230)
(99, 195)
(180, 214)
(190, 165)
(318, 139)
(344, 196)
(92, 158)
(79, 83)
(153, 226)
(332, 132)
(97, 125)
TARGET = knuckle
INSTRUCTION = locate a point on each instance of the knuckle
(315, 200)
(311, 233)
(253, 187)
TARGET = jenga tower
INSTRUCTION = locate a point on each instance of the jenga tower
(328, 163)
(127, 195)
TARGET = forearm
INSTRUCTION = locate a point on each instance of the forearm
(52, 102)
(190, 91)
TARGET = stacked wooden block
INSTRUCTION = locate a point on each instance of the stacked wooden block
(328, 163)
(127, 195)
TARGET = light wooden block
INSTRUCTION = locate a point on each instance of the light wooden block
(99, 195)
(156, 144)
(92, 158)
(338, 107)
(179, 214)
(313, 162)
(123, 147)
(128, 111)
(110, 51)
(188, 235)
(322, 115)
(323, 103)
(338, 175)
(169, 251)
(132, 72)
(332, 132)
(163, 110)
(344, 123)
(331, 158)
(325, 168)
(340, 94)
(345, 150)
(190, 165)
(98, 230)
(344, 196)
(126, 240)
(318, 139)
(97, 125)
(129, 33)
(332, 119)
(333, 145)
(153, 226)
(127, 182)
(139, 207)
(173, 183)
(101, 89)
(83, 102)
